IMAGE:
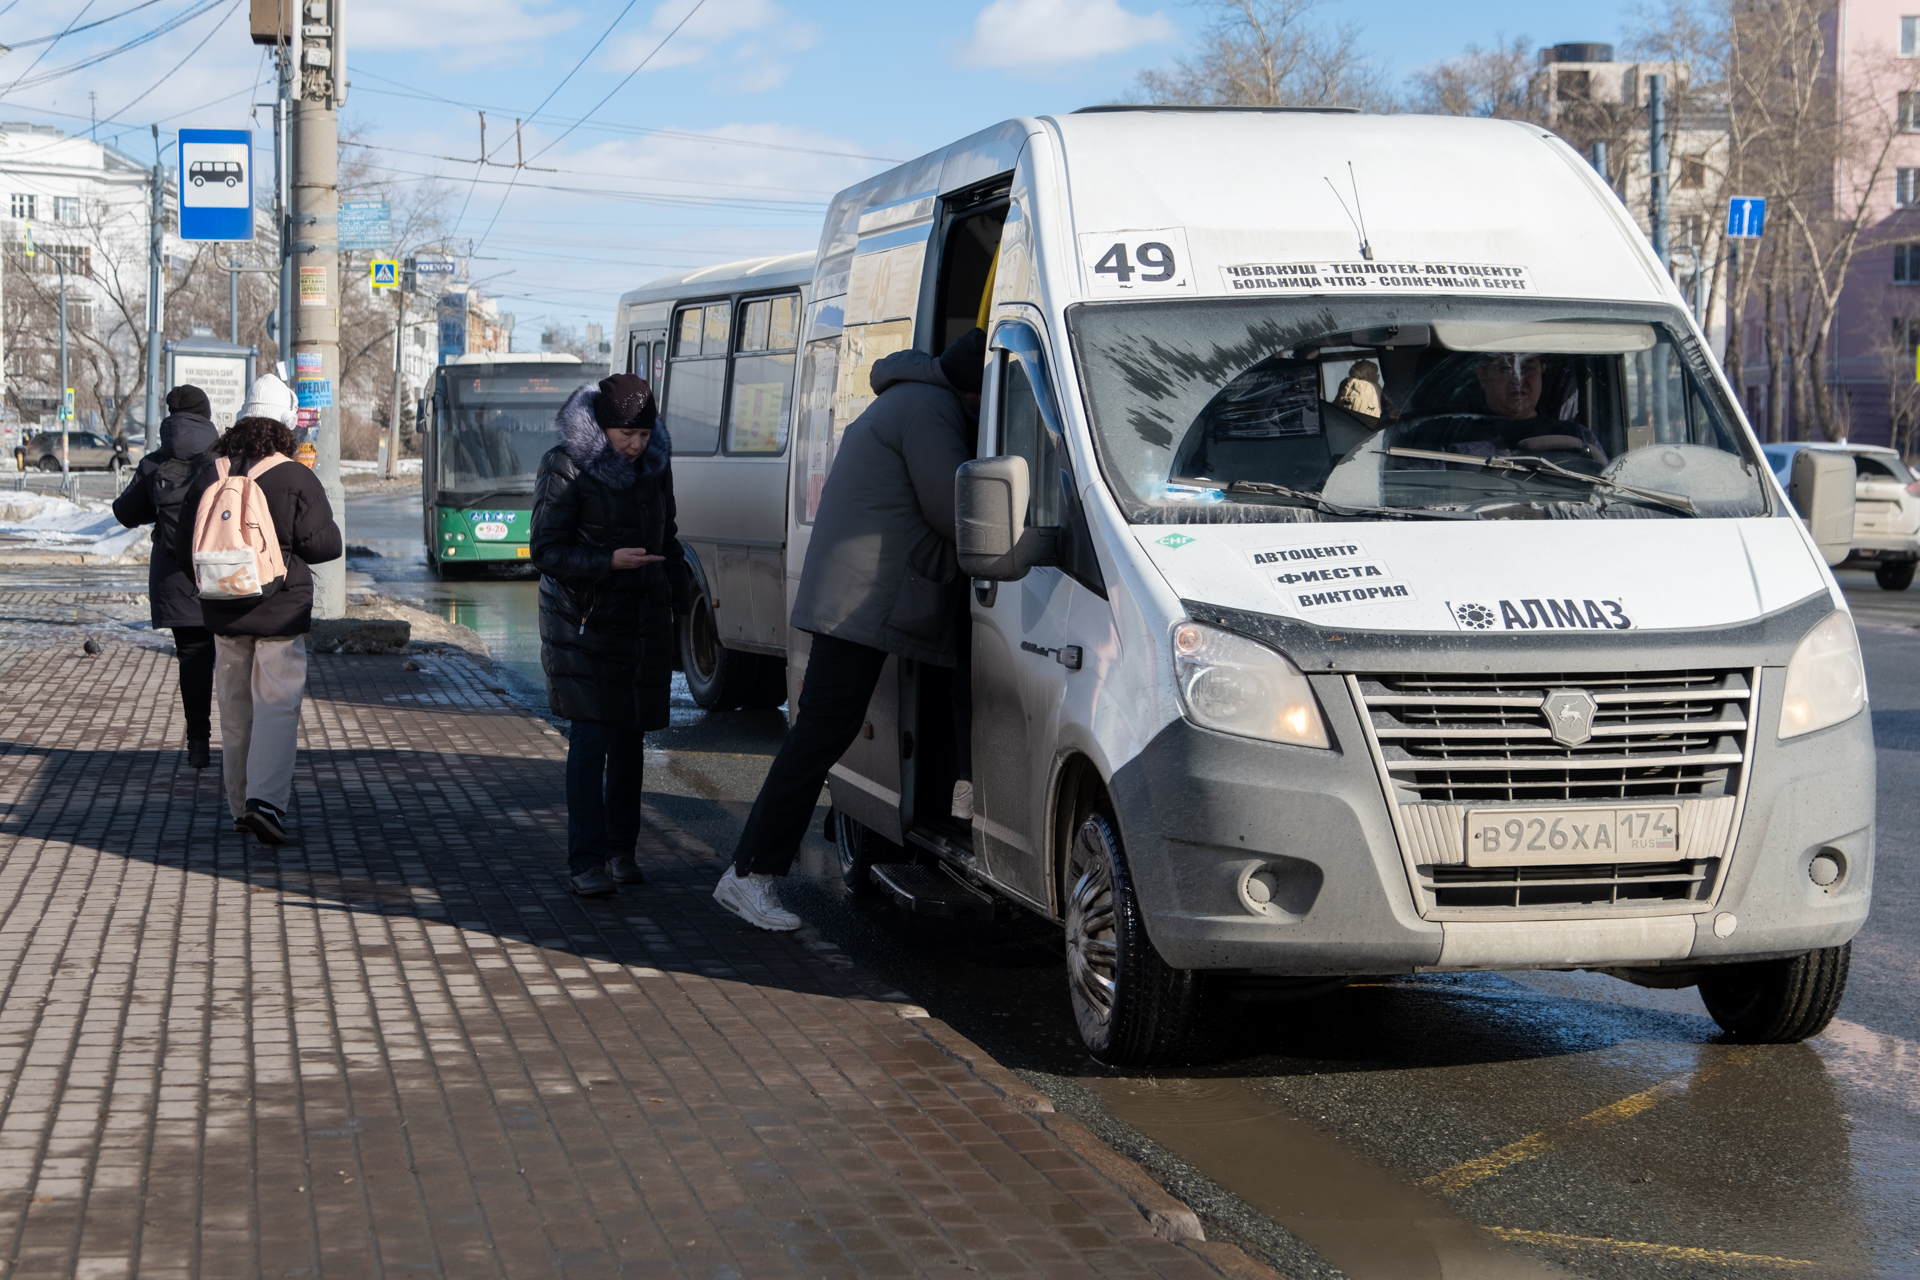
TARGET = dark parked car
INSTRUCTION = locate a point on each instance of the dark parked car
(86, 451)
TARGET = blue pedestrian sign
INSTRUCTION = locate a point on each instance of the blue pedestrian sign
(216, 184)
(386, 273)
(1746, 217)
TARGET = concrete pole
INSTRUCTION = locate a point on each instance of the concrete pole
(316, 325)
(282, 214)
(65, 425)
(156, 291)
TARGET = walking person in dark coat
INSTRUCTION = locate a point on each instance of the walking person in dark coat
(260, 644)
(156, 496)
(880, 578)
(611, 579)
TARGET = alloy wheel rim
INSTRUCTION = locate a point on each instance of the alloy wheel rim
(1092, 942)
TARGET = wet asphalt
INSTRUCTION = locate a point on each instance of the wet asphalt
(1479, 1125)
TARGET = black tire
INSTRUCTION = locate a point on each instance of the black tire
(1894, 577)
(859, 849)
(1132, 1007)
(719, 678)
(1778, 1001)
(50, 465)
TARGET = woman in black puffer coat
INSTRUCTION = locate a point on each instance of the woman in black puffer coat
(612, 578)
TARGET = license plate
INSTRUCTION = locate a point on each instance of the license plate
(1545, 837)
(525, 553)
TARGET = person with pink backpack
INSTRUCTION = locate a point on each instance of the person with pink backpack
(258, 520)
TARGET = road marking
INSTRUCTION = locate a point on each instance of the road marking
(1647, 1249)
(1534, 1145)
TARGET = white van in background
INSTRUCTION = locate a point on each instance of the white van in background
(719, 346)
(1372, 574)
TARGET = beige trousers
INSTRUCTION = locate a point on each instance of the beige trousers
(258, 682)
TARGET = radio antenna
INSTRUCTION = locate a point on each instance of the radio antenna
(1359, 225)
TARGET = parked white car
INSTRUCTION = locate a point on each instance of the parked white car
(1886, 509)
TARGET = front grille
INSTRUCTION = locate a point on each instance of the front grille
(1472, 739)
(1596, 885)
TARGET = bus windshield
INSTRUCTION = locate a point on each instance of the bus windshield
(497, 426)
(1283, 410)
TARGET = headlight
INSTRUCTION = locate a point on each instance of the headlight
(1826, 681)
(1232, 684)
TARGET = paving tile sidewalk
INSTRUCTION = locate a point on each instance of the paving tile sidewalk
(402, 1048)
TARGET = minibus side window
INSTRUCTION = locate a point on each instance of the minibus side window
(697, 377)
(761, 403)
(1022, 435)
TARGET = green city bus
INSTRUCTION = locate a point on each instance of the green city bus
(483, 431)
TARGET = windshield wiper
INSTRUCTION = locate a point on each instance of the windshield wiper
(1528, 464)
(1319, 503)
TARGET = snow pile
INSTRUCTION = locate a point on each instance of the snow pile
(48, 522)
(353, 466)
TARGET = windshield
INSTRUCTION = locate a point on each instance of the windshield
(1227, 411)
(497, 425)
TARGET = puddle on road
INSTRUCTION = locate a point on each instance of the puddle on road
(1359, 1217)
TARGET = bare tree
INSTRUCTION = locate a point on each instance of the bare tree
(1267, 53)
(1492, 82)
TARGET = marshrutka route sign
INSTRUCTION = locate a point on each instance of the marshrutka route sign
(216, 184)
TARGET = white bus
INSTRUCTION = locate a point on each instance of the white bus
(719, 347)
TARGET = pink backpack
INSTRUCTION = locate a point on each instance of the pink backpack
(236, 550)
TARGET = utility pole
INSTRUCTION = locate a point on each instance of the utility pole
(1598, 157)
(156, 297)
(1657, 160)
(66, 396)
(407, 277)
(318, 89)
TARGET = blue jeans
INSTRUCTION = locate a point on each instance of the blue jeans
(603, 794)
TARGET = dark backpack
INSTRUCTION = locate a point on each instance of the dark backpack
(171, 480)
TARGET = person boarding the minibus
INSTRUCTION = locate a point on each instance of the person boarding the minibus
(607, 546)
(880, 578)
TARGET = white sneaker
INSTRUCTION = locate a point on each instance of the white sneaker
(963, 800)
(754, 899)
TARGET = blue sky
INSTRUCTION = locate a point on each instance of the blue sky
(726, 143)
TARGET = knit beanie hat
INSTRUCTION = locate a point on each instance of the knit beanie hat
(187, 398)
(625, 403)
(269, 397)
(964, 361)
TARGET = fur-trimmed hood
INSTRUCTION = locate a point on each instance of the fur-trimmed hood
(586, 444)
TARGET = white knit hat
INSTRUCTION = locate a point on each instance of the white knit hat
(270, 398)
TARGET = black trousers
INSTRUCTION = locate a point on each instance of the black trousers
(604, 767)
(194, 648)
(840, 680)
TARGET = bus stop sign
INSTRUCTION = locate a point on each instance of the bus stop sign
(216, 184)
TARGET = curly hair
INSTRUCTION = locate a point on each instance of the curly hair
(256, 438)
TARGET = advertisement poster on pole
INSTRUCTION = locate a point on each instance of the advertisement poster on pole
(313, 286)
(216, 184)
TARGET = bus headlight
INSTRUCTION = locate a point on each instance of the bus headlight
(1826, 680)
(1230, 683)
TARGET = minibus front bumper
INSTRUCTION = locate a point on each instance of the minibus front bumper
(1254, 856)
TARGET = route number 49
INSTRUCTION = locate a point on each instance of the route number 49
(1150, 261)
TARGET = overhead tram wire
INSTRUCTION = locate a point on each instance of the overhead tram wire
(74, 31)
(737, 203)
(49, 49)
(636, 131)
(697, 6)
(176, 69)
(171, 24)
(591, 173)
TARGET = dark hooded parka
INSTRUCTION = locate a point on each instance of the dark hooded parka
(880, 567)
(606, 634)
(155, 496)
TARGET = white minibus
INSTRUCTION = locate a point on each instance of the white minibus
(1372, 574)
(719, 346)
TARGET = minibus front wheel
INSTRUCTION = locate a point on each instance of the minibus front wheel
(1132, 1007)
(1777, 1001)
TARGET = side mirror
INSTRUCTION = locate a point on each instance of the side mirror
(992, 540)
(1822, 492)
(420, 410)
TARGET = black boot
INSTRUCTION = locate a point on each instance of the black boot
(199, 753)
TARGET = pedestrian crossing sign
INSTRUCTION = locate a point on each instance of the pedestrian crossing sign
(386, 273)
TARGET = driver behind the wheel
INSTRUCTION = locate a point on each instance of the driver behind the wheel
(1510, 384)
